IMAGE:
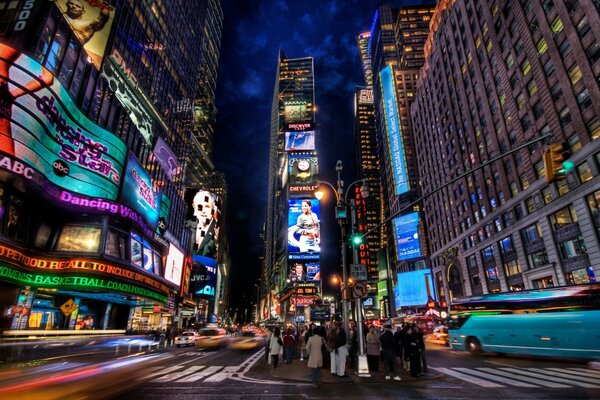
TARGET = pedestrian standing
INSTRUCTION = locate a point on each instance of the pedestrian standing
(330, 342)
(268, 346)
(414, 352)
(289, 343)
(314, 347)
(421, 345)
(341, 351)
(353, 348)
(398, 344)
(373, 349)
(389, 353)
(276, 347)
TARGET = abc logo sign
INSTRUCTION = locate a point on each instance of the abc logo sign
(60, 168)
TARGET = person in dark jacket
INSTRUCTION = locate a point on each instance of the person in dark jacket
(353, 349)
(422, 352)
(414, 352)
(386, 339)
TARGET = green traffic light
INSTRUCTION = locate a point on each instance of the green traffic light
(357, 239)
(567, 166)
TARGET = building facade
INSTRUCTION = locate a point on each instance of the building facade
(291, 268)
(499, 75)
(94, 149)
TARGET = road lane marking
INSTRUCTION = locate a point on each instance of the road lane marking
(164, 371)
(573, 379)
(468, 378)
(534, 375)
(199, 375)
(526, 378)
(589, 371)
(490, 375)
(175, 375)
(575, 371)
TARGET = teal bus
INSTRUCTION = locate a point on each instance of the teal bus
(557, 322)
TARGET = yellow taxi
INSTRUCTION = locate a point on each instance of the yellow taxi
(211, 338)
(247, 340)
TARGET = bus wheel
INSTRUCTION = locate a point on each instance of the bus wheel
(473, 346)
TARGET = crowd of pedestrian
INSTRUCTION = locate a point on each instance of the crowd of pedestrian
(329, 347)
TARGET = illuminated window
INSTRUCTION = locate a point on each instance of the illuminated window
(80, 238)
(584, 172)
(593, 128)
(542, 46)
(556, 25)
(525, 67)
(583, 26)
(532, 87)
(575, 74)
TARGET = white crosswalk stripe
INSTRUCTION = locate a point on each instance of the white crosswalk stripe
(525, 377)
(179, 374)
(199, 375)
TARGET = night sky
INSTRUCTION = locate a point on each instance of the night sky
(253, 33)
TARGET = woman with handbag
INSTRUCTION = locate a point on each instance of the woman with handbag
(314, 348)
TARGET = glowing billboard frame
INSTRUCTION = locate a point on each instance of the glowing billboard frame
(394, 133)
(411, 289)
(406, 235)
(304, 229)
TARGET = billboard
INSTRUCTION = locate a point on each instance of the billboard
(41, 126)
(90, 20)
(304, 226)
(126, 95)
(394, 133)
(300, 140)
(138, 194)
(205, 208)
(406, 233)
(414, 288)
(304, 271)
(303, 169)
(166, 158)
(203, 279)
(174, 265)
(365, 96)
(296, 111)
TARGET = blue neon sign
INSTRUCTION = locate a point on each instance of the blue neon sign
(394, 133)
(406, 231)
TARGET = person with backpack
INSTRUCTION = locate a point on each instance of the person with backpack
(289, 343)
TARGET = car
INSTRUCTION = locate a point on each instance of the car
(439, 336)
(211, 338)
(188, 338)
(247, 340)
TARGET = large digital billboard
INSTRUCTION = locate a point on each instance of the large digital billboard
(304, 228)
(296, 111)
(303, 169)
(205, 209)
(41, 126)
(203, 279)
(166, 158)
(304, 271)
(394, 133)
(90, 20)
(138, 194)
(300, 140)
(174, 265)
(406, 232)
(414, 288)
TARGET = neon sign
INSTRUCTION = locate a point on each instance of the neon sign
(42, 280)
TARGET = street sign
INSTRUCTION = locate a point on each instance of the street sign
(68, 307)
(358, 272)
(360, 290)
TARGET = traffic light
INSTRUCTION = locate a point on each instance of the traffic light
(357, 239)
(555, 162)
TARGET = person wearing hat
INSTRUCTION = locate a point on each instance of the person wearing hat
(386, 339)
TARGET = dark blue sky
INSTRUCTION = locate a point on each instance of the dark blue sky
(253, 33)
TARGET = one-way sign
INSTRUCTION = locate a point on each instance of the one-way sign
(358, 272)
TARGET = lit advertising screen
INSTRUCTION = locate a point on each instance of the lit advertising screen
(205, 213)
(90, 21)
(174, 265)
(394, 133)
(300, 140)
(166, 158)
(296, 111)
(303, 169)
(304, 271)
(42, 127)
(414, 288)
(304, 226)
(138, 194)
(406, 232)
(203, 279)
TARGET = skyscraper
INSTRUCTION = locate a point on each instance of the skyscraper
(293, 175)
(498, 75)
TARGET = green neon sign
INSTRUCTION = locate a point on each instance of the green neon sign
(58, 281)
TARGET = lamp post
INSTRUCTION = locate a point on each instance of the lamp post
(341, 215)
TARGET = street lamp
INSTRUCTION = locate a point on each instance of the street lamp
(341, 215)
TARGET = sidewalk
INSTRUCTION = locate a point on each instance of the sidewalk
(298, 371)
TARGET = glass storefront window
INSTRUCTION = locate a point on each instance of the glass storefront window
(136, 249)
(571, 248)
(79, 238)
(512, 268)
(577, 277)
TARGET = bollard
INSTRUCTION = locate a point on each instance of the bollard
(129, 348)
(140, 350)
(117, 350)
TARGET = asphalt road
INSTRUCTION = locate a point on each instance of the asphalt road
(228, 374)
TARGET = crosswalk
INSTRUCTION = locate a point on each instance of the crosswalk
(526, 377)
(189, 374)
